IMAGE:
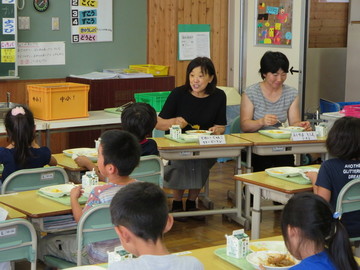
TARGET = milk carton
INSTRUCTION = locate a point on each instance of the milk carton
(321, 130)
(237, 244)
(90, 178)
(119, 254)
(175, 132)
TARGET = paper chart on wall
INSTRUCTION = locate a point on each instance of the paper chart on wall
(91, 21)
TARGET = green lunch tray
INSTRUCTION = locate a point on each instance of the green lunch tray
(64, 199)
(241, 263)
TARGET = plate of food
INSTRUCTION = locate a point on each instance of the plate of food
(271, 260)
(267, 245)
(292, 128)
(276, 133)
(198, 132)
(57, 190)
(91, 153)
(283, 171)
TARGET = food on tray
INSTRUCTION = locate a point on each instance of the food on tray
(55, 190)
(278, 260)
(276, 131)
(198, 132)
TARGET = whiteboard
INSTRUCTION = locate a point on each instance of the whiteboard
(91, 21)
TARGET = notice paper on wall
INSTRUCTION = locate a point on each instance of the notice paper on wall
(41, 53)
(91, 21)
(194, 41)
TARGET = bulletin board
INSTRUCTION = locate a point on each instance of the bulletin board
(91, 21)
(8, 39)
(274, 22)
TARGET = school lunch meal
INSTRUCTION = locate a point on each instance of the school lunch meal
(271, 260)
(57, 190)
(91, 153)
(198, 132)
(292, 128)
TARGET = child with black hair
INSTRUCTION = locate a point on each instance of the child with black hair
(342, 143)
(140, 214)
(314, 235)
(139, 119)
(22, 152)
(118, 155)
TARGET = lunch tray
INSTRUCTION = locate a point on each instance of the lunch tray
(64, 199)
(240, 263)
(113, 110)
(296, 179)
(180, 140)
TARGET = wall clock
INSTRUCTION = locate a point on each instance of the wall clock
(41, 5)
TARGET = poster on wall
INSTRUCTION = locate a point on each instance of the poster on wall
(194, 41)
(274, 23)
(91, 21)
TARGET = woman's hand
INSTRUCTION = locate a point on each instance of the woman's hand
(270, 120)
(181, 122)
(217, 130)
(306, 125)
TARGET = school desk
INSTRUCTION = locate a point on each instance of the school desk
(12, 213)
(262, 185)
(267, 146)
(173, 150)
(70, 166)
(33, 205)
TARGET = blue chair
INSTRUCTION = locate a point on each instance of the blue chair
(94, 225)
(30, 179)
(349, 201)
(18, 240)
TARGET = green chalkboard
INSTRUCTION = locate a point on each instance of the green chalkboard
(8, 39)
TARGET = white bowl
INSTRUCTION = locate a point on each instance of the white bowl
(260, 258)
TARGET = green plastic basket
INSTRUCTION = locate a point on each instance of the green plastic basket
(155, 99)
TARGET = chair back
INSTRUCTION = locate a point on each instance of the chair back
(349, 197)
(150, 169)
(30, 179)
(18, 240)
(349, 201)
(94, 225)
(235, 125)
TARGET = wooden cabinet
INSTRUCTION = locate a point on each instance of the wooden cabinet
(111, 93)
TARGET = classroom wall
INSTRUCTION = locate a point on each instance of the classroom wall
(164, 17)
(128, 46)
(325, 76)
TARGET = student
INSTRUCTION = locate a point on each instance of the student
(343, 144)
(314, 235)
(139, 212)
(22, 152)
(140, 120)
(118, 155)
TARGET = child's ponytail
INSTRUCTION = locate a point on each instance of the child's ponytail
(339, 247)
